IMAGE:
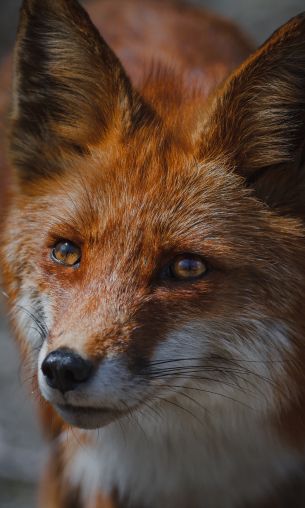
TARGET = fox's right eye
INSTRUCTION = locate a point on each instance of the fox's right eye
(66, 253)
(188, 267)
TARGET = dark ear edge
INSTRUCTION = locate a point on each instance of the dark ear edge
(69, 88)
(256, 123)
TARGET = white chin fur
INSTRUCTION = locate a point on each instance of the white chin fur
(86, 418)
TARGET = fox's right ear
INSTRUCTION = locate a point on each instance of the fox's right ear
(70, 90)
(257, 120)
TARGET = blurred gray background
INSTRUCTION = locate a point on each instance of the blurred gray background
(21, 447)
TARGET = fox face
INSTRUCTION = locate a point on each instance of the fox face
(153, 252)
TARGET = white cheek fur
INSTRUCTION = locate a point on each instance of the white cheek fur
(255, 357)
(25, 314)
(25, 322)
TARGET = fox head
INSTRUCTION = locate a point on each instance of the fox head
(154, 244)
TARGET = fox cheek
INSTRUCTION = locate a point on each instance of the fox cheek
(34, 318)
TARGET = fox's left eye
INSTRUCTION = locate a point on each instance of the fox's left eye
(188, 267)
(66, 253)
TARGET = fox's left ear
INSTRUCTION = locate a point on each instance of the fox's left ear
(257, 119)
(70, 89)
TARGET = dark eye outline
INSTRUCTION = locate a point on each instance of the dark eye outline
(168, 274)
(62, 263)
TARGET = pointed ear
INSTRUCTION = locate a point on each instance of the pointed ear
(70, 89)
(257, 120)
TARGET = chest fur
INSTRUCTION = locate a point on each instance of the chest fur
(153, 464)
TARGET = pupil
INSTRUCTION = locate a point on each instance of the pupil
(65, 249)
(189, 265)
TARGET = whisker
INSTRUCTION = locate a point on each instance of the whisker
(212, 392)
(4, 294)
(179, 407)
(42, 327)
(236, 371)
(188, 397)
(153, 409)
(224, 360)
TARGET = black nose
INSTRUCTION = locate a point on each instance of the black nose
(65, 370)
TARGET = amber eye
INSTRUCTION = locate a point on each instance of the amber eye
(66, 253)
(188, 267)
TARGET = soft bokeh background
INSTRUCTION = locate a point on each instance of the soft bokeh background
(21, 447)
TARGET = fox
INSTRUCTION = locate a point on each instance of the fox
(153, 252)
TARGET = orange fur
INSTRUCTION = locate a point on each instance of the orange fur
(138, 166)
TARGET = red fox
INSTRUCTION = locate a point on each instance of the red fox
(153, 253)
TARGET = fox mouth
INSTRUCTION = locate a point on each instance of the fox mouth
(88, 417)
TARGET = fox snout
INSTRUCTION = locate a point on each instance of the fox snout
(89, 392)
(66, 378)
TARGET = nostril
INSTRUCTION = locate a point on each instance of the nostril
(65, 370)
(81, 370)
(47, 370)
(77, 369)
